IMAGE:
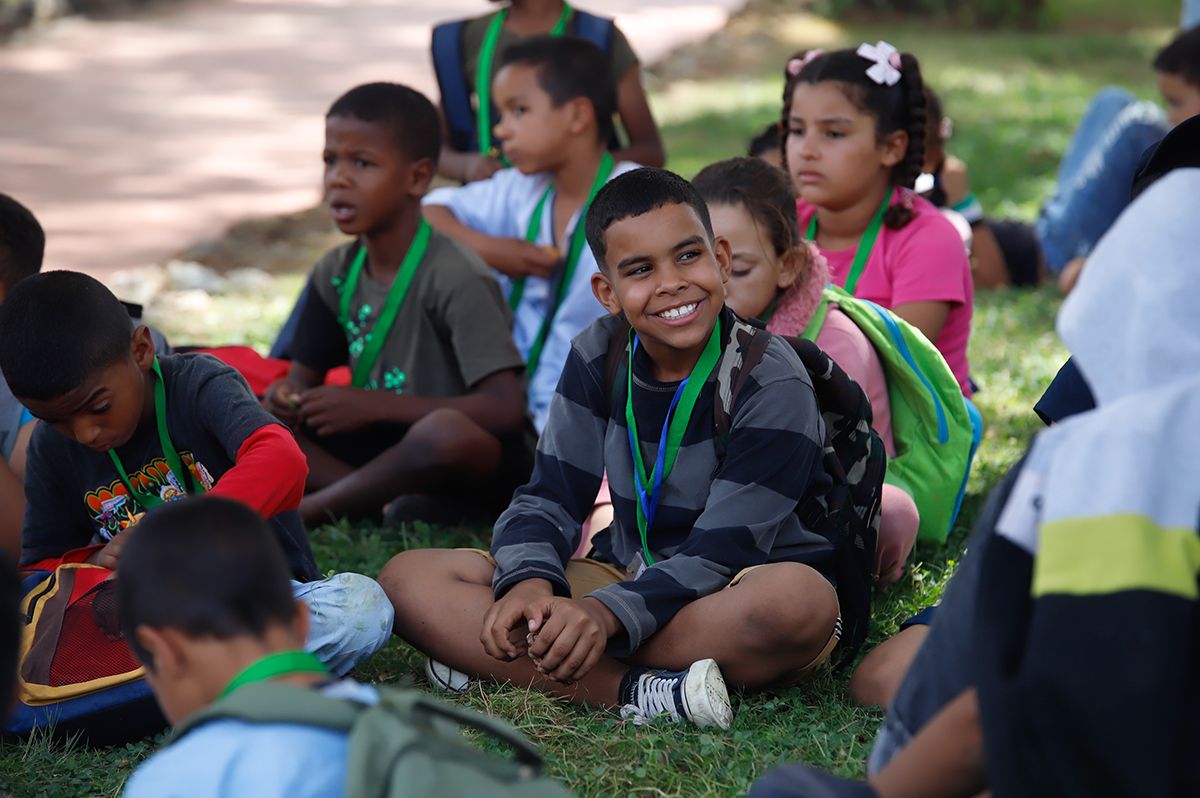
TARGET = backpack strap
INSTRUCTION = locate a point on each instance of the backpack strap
(276, 702)
(746, 347)
(447, 48)
(596, 29)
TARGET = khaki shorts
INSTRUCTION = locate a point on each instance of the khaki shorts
(585, 576)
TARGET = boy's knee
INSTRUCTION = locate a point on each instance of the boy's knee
(418, 571)
(811, 602)
(350, 618)
(448, 437)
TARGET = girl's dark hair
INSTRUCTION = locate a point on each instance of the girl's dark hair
(761, 189)
(898, 107)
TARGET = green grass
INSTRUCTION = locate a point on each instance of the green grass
(1015, 98)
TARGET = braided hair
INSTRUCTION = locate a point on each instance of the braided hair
(897, 107)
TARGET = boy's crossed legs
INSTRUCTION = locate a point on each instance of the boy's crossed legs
(772, 624)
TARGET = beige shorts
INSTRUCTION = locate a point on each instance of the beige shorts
(585, 576)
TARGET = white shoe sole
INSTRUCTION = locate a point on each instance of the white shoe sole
(705, 698)
(443, 677)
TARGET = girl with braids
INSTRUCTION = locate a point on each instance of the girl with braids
(854, 144)
(779, 278)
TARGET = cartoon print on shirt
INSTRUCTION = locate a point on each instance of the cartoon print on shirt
(113, 509)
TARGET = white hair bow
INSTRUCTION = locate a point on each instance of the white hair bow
(886, 69)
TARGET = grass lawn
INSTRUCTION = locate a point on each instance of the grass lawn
(1014, 98)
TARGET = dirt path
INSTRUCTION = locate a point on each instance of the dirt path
(131, 139)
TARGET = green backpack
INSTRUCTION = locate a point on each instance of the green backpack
(936, 429)
(408, 744)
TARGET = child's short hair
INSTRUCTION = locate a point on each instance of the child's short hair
(896, 107)
(1181, 56)
(22, 243)
(10, 629)
(56, 330)
(761, 189)
(769, 138)
(636, 193)
(406, 112)
(206, 566)
(567, 68)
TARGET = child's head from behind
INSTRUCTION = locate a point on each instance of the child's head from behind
(753, 207)
(70, 353)
(660, 264)
(1178, 68)
(551, 91)
(853, 124)
(767, 146)
(203, 591)
(382, 142)
(22, 244)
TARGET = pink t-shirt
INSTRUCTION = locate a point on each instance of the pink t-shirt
(924, 261)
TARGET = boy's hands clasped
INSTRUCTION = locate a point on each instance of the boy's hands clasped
(328, 409)
(564, 637)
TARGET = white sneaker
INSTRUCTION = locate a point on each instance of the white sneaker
(445, 678)
(697, 694)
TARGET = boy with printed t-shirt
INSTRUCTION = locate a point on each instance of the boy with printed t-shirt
(436, 403)
(555, 99)
(124, 430)
(707, 568)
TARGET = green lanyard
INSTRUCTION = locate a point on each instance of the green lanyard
(813, 328)
(285, 663)
(668, 446)
(174, 462)
(578, 239)
(865, 244)
(391, 307)
(483, 75)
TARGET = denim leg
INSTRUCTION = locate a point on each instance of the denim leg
(1191, 14)
(350, 618)
(1096, 174)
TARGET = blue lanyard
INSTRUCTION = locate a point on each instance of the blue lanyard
(649, 503)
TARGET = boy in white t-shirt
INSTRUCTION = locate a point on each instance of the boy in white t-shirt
(556, 98)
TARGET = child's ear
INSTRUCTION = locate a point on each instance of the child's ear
(142, 346)
(420, 176)
(602, 287)
(894, 148)
(724, 255)
(791, 266)
(166, 658)
(582, 115)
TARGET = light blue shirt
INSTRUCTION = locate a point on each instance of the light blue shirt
(226, 758)
(502, 206)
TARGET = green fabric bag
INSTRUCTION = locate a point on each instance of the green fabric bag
(407, 745)
(935, 428)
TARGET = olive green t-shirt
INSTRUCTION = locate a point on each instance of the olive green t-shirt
(621, 60)
(453, 330)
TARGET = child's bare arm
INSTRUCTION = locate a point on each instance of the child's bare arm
(645, 143)
(945, 758)
(12, 510)
(514, 257)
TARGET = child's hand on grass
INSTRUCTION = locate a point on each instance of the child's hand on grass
(518, 258)
(331, 409)
(569, 637)
(506, 623)
(282, 400)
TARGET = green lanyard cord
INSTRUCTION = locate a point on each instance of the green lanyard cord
(285, 663)
(865, 244)
(678, 426)
(813, 328)
(483, 75)
(174, 461)
(578, 240)
(391, 307)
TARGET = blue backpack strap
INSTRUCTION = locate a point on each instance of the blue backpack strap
(452, 83)
(597, 30)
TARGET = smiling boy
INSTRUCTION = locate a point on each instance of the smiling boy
(709, 575)
(123, 430)
(437, 404)
(556, 100)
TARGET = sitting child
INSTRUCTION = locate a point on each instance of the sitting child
(777, 277)
(555, 101)
(854, 143)
(436, 403)
(466, 55)
(123, 431)
(710, 571)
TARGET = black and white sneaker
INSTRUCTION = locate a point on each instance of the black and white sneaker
(696, 694)
(443, 677)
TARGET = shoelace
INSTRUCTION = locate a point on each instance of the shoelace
(656, 695)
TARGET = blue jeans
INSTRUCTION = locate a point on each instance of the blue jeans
(1096, 174)
(1191, 14)
(350, 618)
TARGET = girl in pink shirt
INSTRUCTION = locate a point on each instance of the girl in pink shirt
(854, 143)
(779, 278)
